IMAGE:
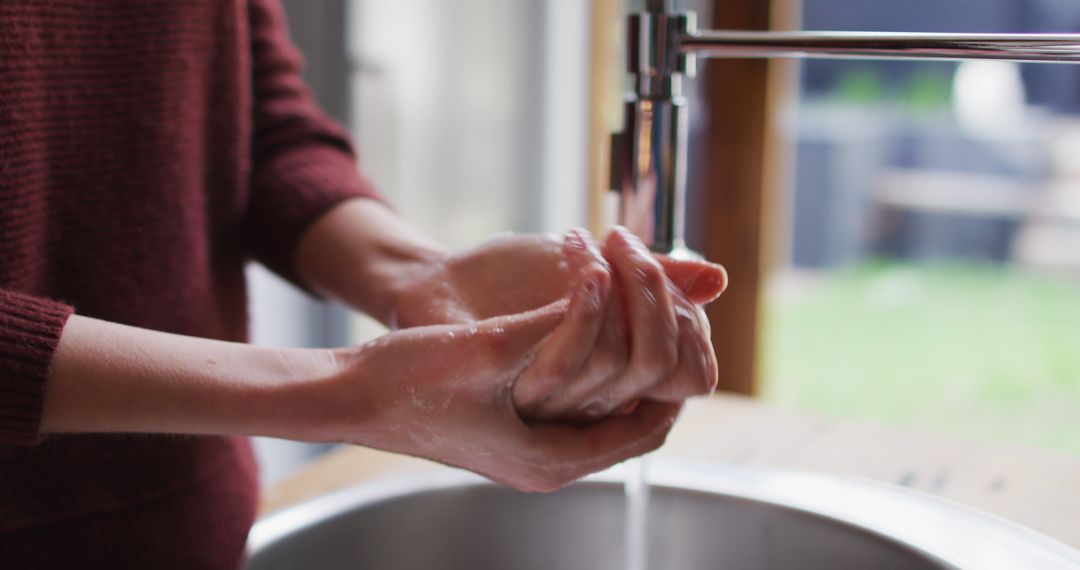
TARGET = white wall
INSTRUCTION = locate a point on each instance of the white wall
(471, 114)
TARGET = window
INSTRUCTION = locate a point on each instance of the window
(933, 273)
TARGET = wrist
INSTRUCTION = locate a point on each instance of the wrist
(402, 277)
(291, 394)
(339, 403)
(363, 254)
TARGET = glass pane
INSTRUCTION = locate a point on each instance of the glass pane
(933, 277)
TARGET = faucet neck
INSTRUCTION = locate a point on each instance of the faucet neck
(655, 57)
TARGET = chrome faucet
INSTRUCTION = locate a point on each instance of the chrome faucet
(649, 157)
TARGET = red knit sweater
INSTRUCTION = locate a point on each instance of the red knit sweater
(148, 148)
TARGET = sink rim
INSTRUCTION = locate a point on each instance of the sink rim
(939, 529)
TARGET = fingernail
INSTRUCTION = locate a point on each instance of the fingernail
(575, 240)
(703, 281)
(591, 286)
(591, 293)
(716, 279)
(582, 234)
(632, 239)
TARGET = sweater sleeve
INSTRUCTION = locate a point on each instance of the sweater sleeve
(303, 162)
(30, 329)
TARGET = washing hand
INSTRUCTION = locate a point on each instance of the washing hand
(601, 383)
(446, 393)
(636, 330)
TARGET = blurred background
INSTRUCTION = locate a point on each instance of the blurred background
(926, 271)
(932, 274)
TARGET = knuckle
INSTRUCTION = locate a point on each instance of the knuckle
(690, 383)
(702, 385)
(711, 382)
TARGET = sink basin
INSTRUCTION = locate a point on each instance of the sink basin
(700, 517)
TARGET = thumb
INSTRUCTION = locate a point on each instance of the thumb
(702, 282)
(512, 338)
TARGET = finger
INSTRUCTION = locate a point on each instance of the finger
(591, 371)
(650, 311)
(702, 282)
(563, 352)
(511, 341)
(581, 250)
(562, 454)
(587, 398)
(696, 373)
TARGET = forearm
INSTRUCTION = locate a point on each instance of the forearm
(110, 378)
(364, 254)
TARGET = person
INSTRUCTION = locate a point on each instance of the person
(147, 151)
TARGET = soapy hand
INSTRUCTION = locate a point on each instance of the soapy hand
(471, 383)
(635, 329)
(446, 393)
(642, 338)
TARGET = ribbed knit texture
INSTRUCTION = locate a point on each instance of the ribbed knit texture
(148, 149)
(29, 331)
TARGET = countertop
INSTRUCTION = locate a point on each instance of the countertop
(1038, 489)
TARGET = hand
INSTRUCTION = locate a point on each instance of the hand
(505, 276)
(640, 335)
(445, 393)
(519, 273)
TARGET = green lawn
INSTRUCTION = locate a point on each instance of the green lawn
(983, 351)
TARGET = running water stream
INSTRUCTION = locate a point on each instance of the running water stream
(636, 535)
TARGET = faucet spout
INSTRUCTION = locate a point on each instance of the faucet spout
(649, 156)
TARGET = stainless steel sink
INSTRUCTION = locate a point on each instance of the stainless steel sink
(700, 517)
